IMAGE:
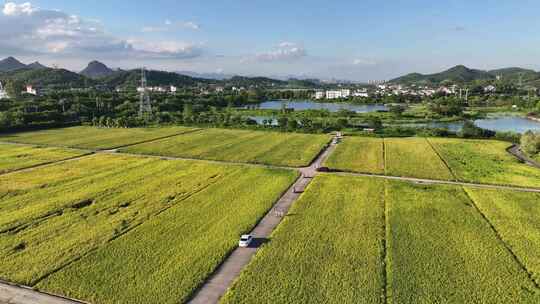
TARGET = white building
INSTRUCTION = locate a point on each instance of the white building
(173, 89)
(490, 89)
(446, 90)
(338, 94)
(360, 94)
(3, 93)
(333, 94)
(320, 95)
(31, 90)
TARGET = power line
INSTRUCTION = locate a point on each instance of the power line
(145, 105)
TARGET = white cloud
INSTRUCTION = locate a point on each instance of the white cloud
(166, 49)
(364, 62)
(26, 29)
(285, 51)
(286, 44)
(190, 25)
(14, 9)
(168, 25)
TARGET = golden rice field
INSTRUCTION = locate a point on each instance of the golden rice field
(123, 228)
(118, 222)
(15, 157)
(269, 148)
(366, 240)
(92, 137)
(516, 216)
(414, 157)
(358, 154)
(475, 161)
(485, 161)
(328, 250)
(442, 250)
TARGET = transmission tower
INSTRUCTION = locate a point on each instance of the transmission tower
(145, 106)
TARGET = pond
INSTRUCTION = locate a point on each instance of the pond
(501, 124)
(300, 105)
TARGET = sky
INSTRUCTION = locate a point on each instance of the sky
(357, 40)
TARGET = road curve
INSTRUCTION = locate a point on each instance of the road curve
(516, 151)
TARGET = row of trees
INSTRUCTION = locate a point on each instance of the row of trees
(530, 143)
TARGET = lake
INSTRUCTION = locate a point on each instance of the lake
(300, 105)
(502, 124)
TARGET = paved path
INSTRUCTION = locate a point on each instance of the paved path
(220, 281)
(440, 182)
(516, 151)
(14, 294)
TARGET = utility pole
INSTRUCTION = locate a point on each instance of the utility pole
(145, 106)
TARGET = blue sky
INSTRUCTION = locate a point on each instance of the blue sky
(358, 40)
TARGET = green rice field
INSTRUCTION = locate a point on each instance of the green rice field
(485, 161)
(358, 154)
(516, 216)
(126, 217)
(270, 148)
(441, 250)
(15, 157)
(93, 138)
(437, 248)
(414, 157)
(151, 223)
(328, 250)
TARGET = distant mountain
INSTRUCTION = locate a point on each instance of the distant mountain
(132, 78)
(47, 77)
(36, 66)
(242, 81)
(96, 69)
(457, 74)
(215, 76)
(303, 83)
(11, 64)
(516, 74)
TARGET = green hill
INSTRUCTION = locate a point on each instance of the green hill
(516, 74)
(457, 74)
(132, 78)
(47, 77)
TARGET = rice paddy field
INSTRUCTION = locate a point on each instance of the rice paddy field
(441, 250)
(411, 157)
(358, 154)
(385, 241)
(414, 157)
(270, 148)
(92, 137)
(485, 161)
(328, 250)
(15, 157)
(121, 228)
(475, 161)
(102, 227)
(516, 217)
